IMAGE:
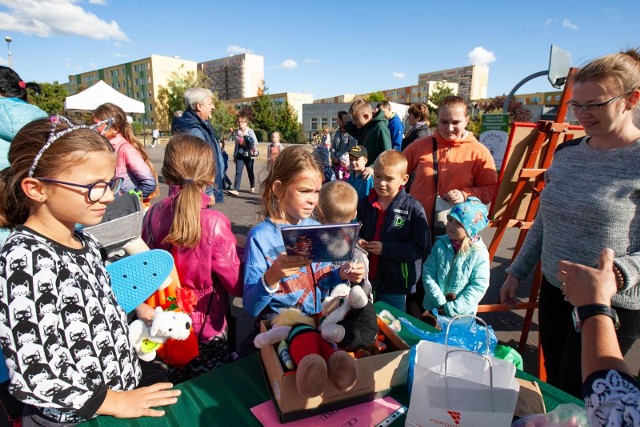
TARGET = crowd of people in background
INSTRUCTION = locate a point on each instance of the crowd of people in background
(420, 193)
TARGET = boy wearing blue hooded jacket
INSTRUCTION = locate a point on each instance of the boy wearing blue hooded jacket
(456, 273)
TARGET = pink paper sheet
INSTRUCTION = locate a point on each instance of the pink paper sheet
(365, 414)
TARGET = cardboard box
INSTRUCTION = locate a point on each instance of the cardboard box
(376, 375)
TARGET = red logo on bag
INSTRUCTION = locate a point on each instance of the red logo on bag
(455, 416)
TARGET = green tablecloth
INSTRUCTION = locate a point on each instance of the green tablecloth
(225, 396)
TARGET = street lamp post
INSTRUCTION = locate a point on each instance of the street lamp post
(8, 40)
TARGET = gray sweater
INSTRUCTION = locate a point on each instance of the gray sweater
(591, 201)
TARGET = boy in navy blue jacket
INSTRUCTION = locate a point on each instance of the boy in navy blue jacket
(394, 231)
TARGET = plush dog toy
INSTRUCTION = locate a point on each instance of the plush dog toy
(349, 318)
(166, 324)
(316, 359)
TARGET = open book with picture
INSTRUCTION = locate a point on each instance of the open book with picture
(321, 243)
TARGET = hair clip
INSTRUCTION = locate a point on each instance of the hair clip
(22, 84)
(53, 135)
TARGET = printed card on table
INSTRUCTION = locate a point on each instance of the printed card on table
(364, 414)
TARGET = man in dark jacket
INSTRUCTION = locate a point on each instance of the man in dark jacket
(195, 121)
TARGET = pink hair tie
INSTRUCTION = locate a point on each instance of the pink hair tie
(22, 84)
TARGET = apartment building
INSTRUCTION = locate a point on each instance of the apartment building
(470, 82)
(140, 80)
(235, 77)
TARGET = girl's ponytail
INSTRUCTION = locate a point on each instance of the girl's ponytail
(188, 163)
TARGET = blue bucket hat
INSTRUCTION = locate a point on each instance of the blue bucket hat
(472, 214)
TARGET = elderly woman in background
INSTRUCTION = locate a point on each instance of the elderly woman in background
(195, 120)
(417, 117)
(590, 201)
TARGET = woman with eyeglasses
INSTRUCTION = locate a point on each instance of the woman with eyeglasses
(591, 200)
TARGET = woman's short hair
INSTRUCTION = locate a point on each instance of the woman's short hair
(420, 111)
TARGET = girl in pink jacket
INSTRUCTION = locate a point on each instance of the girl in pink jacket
(202, 245)
(133, 163)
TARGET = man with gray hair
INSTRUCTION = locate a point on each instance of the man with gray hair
(195, 120)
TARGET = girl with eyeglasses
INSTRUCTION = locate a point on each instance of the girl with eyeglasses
(63, 335)
(591, 201)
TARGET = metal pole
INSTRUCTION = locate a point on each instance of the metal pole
(9, 60)
(505, 107)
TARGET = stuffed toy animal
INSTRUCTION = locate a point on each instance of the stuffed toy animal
(166, 324)
(349, 318)
(316, 359)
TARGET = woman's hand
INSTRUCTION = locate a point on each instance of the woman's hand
(139, 402)
(454, 197)
(584, 285)
(508, 291)
(284, 266)
(353, 272)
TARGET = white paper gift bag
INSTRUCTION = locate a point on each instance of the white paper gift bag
(459, 388)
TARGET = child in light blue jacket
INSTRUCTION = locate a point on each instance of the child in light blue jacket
(456, 273)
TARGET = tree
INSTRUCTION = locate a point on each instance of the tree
(376, 97)
(287, 123)
(517, 111)
(440, 91)
(51, 98)
(224, 116)
(264, 114)
(171, 97)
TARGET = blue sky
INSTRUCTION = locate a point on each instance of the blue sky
(322, 47)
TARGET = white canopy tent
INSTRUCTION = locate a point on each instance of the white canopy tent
(91, 98)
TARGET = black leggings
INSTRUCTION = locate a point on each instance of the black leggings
(240, 163)
(561, 343)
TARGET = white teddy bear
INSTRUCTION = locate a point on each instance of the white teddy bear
(166, 324)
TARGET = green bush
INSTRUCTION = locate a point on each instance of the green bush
(137, 128)
(262, 135)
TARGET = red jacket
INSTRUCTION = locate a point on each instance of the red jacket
(211, 268)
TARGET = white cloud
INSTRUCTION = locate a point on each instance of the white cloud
(568, 24)
(119, 55)
(100, 2)
(311, 61)
(236, 50)
(481, 56)
(547, 22)
(45, 18)
(288, 64)
(398, 75)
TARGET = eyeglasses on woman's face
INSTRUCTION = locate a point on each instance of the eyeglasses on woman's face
(595, 105)
(96, 191)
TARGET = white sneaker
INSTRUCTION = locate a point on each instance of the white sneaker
(234, 192)
(253, 190)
